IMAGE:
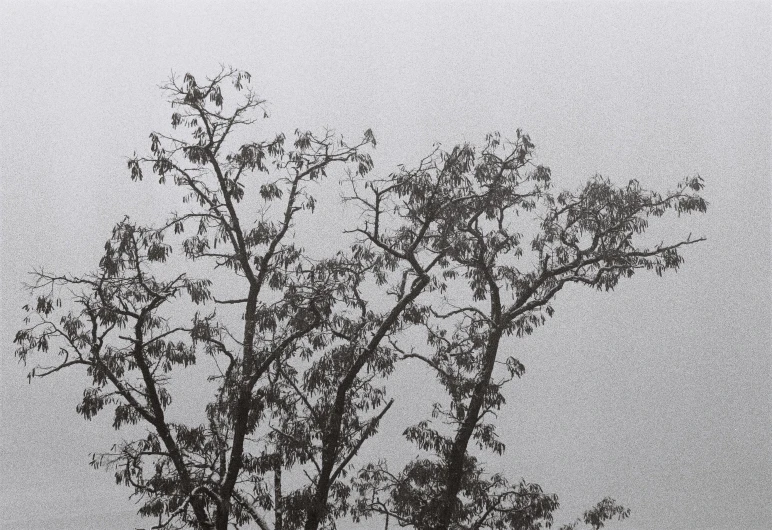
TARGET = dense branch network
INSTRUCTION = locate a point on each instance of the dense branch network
(299, 350)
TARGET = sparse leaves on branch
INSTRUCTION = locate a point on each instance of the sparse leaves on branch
(294, 352)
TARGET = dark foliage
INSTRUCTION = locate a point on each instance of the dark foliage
(298, 354)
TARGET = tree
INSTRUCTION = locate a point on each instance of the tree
(297, 349)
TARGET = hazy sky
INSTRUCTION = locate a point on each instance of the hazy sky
(657, 394)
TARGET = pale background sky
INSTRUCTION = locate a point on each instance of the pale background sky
(657, 394)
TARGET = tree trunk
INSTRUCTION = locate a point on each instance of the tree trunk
(455, 460)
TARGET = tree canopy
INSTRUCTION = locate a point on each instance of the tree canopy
(294, 349)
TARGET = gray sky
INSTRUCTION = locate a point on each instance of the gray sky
(657, 394)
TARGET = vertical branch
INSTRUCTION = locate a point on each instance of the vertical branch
(278, 501)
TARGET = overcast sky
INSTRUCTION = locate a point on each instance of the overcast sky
(657, 394)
